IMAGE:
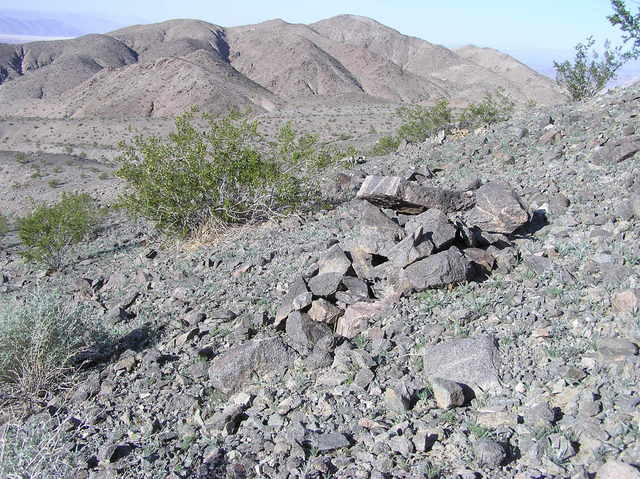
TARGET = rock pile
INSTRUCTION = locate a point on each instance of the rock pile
(407, 242)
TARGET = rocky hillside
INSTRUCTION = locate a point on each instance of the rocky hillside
(160, 69)
(471, 308)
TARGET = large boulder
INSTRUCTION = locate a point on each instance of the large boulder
(230, 371)
(448, 267)
(473, 362)
(498, 209)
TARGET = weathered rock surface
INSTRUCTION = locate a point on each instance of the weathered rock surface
(473, 362)
(498, 209)
(230, 371)
(447, 267)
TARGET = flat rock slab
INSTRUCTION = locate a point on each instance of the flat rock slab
(409, 197)
(230, 371)
(473, 362)
(615, 151)
(498, 209)
(334, 261)
(441, 269)
(329, 441)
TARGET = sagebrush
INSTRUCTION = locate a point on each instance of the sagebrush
(39, 335)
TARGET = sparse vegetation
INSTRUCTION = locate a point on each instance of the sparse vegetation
(385, 145)
(194, 175)
(38, 337)
(49, 231)
(589, 72)
(419, 122)
(629, 24)
(4, 225)
(492, 109)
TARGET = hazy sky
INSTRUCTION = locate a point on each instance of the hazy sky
(548, 27)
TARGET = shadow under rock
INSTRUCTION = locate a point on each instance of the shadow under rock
(106, 346)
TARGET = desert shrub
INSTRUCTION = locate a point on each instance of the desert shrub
(493, 108)
(589, 72)
(38, 449)
(38, 336)
(419, 122)
(629, 24)
(49, 231)
(219, 173)
(385, 145)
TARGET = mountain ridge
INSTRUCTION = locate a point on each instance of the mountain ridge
(264, 65)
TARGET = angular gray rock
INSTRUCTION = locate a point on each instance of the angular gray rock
(324, 312)
(296, 297)
(489, 452)
(377, 231)
(304, 331)
(436, 228)
(230, 371)
(329, 441)
(447, 393)
(498, 209)
(325, 284)
(441, 269)
(410, 249)
(334, 261)
(404, 196)
(473, 362)
(615, 151)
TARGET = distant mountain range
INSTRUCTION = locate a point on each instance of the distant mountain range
(17, 24)
(161, 69)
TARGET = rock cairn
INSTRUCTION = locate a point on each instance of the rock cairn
(412, 237)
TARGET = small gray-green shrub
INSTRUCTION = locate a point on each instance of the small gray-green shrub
(48, 232)
(218, 174)
(38, 336)
(4, 225)
(420, 122)
(492, 109)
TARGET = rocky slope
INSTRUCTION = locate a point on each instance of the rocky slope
(259, 65)
(301, 349)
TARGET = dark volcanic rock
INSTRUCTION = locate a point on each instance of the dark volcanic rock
(498, 209)
(448, 267)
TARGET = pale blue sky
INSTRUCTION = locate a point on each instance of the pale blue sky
(530, 30)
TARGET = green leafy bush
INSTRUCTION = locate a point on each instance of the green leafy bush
(585, 77)
(420, 122)
(493, 108)
(629, 24)
(217, 174)
(49, 231)
(385, 145)
(38, 336)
